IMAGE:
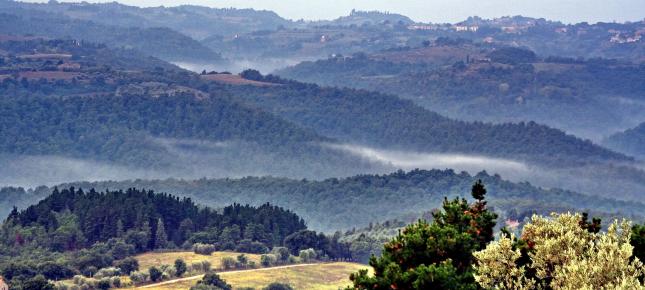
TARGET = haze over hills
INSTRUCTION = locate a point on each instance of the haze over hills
(262, 39)
(592, 98)
(630, 141)
(495, 138)
(66, 100)
(343, 203)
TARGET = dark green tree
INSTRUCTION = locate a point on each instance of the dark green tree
(155, 274)
(214, 281)
(435, 255)
(127, 265)
(638, 241)
(277, 286)
(180, 267)
(161, 238)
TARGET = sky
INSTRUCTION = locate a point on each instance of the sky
(438, 11)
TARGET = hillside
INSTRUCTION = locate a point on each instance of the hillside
(344, 203)
(483, 82)
(161, 42)
(631, 141)
(194, 21)
(91, 235)
(112, 112)
(383, 120)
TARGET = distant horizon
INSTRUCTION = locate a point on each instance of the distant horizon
(565, 11)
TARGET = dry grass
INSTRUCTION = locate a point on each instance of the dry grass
(330, 276)
(157, 259)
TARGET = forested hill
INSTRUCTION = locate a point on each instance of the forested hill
(197, 22)
(631, 141)
(590, 98)
(161, 42)
(70, 99)
(80, 127)
(354, 201)
(77, 219)
(384, 120)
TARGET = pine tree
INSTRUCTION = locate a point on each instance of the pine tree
(119, 229)
(161, 239)
(145, 228)
(435, 255)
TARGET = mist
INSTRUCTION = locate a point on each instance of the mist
(609, 180)
(263, 65)
(32, 171)
(459, 162)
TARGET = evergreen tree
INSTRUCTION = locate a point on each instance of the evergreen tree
(119, 228)
(435, 255)
(145, 228)
(161, 239)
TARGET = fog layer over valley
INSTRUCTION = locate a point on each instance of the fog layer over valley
(264, 65)
(622, 182)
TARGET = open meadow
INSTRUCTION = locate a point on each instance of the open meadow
(300, 276)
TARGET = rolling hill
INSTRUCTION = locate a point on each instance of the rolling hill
(161, 42)
(631, 141)
(484, 82)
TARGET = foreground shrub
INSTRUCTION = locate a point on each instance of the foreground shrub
(561, 252)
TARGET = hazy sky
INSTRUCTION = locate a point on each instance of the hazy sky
(434, 10)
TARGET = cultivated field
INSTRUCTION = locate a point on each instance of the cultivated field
(330, 276)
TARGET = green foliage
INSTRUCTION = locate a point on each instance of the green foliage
(512, 55)
(278, 286)
(203, 249)
(383, 120)
(99, 219)
(343, 203)
(161, 239)
(127, 265)
(434, 255)
(638, 241)
(180, 267)
(155, 274)
(213, 280)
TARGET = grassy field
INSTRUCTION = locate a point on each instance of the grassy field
(330, 276)
(157, 259)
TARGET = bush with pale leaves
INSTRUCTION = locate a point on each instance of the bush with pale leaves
(558, 253)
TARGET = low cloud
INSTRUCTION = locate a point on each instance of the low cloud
(460, 162)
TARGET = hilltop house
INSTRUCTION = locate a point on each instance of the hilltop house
(3, 284)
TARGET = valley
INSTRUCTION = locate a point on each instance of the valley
(209, 148)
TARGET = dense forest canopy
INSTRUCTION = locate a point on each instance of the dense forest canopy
(383, 120)
(344, 203)
(98, 219)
